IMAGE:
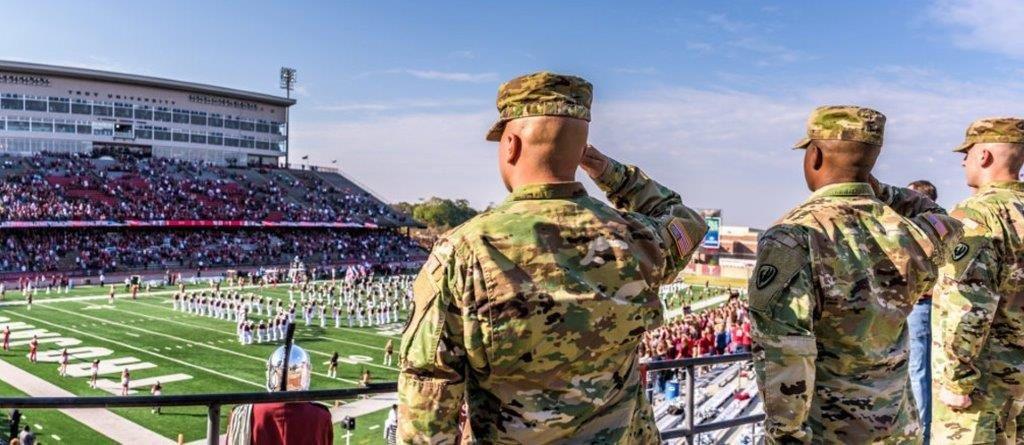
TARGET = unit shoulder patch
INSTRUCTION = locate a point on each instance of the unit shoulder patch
(960, 251)
(780, 257)
(765, 274)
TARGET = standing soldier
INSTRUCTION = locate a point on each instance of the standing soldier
(531, 313)
(835, 280)
(978, 373)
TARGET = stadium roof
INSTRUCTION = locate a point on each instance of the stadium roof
(146, 81)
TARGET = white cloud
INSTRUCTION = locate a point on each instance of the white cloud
(700, 47)
(453, 76)
(723, 22)
(987, 25)
(302, 90)
(724, 149)
(399, 105)
(645, 71)
(405, 158)
(462, 54)
(772, 53)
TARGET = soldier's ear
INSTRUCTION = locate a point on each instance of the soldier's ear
(985, 158)
(817, 157)
(513, 148)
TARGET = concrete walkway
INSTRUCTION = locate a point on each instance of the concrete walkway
(364, 406)
(115, 427)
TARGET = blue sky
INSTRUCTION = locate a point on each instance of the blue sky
(706, 96)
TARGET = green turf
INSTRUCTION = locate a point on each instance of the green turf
(205, 348)
(53, 423)
(365, 433)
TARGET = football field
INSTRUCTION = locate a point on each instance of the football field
(186, 353)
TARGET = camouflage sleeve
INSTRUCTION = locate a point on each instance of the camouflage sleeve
(943, 230)
(431, 382)
(681, 228)
(966, 299)
(782, 307)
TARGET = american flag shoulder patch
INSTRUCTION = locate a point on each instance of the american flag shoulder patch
(938, 225)
(682, 241)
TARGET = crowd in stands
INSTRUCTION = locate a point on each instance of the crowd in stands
(721, 330)
(94, 250)
(75, 187)
(717, 331)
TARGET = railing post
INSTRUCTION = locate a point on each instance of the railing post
(213, 424)
(690, 389)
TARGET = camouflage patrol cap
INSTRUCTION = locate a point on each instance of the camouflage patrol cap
(542, 94)
(993, 129)
(844, 123)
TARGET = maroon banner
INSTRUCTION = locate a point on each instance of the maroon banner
(182, 223)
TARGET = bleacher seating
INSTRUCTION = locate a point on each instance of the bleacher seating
(70, 187)
(83, 214)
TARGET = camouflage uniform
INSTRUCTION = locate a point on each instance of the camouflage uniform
(979, 318)
(531, 313)
(834, 282)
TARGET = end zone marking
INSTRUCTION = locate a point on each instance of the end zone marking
(143, 350)
(160, 334)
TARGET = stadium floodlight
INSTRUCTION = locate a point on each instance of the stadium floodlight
(287, 84)
(287, 79)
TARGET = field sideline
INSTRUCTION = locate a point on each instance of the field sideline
(194, 354)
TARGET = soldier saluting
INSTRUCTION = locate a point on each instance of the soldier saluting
(835, 280)
(979, 319)
(531, 313)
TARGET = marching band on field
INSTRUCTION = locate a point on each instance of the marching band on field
(361, 301)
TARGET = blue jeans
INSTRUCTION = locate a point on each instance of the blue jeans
(920, 333)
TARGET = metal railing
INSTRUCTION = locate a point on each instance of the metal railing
(690, 431)
(212, 402)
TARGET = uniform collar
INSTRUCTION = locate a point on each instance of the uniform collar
(554, 190)
(1016, 186)
(845, 189)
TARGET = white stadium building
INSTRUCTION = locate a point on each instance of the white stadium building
(62, 109)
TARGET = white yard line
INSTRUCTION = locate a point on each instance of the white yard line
(172, 337)
(103, 421)
(220, 331)
(134, 348)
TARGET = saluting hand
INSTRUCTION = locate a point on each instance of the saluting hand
(594, 162)
(953, 400)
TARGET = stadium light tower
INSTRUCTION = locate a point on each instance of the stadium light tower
(287, 84)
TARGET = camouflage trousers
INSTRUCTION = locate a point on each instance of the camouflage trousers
(991, 419)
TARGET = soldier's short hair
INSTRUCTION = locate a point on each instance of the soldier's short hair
(925, 188)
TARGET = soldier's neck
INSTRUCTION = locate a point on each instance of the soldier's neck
(541, 177)
(999, 176)
(838, 179)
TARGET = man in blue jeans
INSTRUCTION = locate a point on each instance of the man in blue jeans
(920, 333)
